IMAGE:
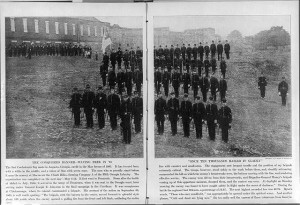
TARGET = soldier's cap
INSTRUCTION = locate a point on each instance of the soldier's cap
(171, 45)
(172, 93)
(200, 43)
(219, 41)
(186, 95)
(212, 41)
(75, 89)
(100, 88)
(87, 86)
(188, 44)
(166, 46)
(198, 97)
(211, 98)
(224, 100)
(194, 44)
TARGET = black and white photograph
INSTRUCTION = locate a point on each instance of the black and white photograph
(74, 87)
(222, 86)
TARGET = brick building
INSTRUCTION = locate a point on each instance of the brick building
(76, 30)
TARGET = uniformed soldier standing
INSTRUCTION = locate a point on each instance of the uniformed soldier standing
(211, 118)
(172, 51)
(160, 108)
(166, 81)
(186, 79)
(137, 111)
(138, 80)
(186, 114)
(213, 49)
(121, 80)
(173, 111)
(119, 57)
(100, 103)
(225, 118)
(206, 50)
(183, 51)
(177, 52)
(199, 114)
(283, 90)
(206, 66)
(213, 63)
(126, 59)
(220, 50)
(214, 87)
(195, 83)
(189, 52)
(113, 59)
(223, 67)
(157, 79)
(87, 103)
(125, 115)
(103, 73)
(113, 106)
(227, 49)
(111, 78)
(200, 51)
(75, 105)
(262, 83)
(222, 87)
(195, 51)
(176, 82)
(128, 81)
(204, 86)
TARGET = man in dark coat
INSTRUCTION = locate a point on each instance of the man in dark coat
(105, 60)
(172, 54)
(166, 52)
(199, 114)
(113, 106)
(137, 111)
(223, 67)
(206, 50)
(126, 58)
(204, 86)
(173, 111)
(111, 78)
(160, 108)
(128, 81)
(186, 80)
(119, 57)
(125, 115)
(195, 51)
(220, 50)
(262, 83)
(87, 104)
(186, 114)
(283, 88)
(201, 51)
(157, 79)
(214, 86)
(183, 51)
(213, 49)
(113, 59)
(121, 80)
(224, 120)
(211, 118)
(222, 87)
(160, 51)
(213, 63)
(100, 103)
(75, 105)
(206, 66)
(138, 80)
(166, 81)
(227, 49)
(195, 83)
(189, 52)
(103, 73)
(176, 82)
(177, 52)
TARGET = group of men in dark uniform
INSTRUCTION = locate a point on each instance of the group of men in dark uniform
(111, 105)
(49, 49)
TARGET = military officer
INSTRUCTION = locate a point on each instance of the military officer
(189, 52)
(213, 63)
(195, 50)
(201, 51)
(157, 79)
(128, 81)
(206, 66)
(183, 51)
(177, 52)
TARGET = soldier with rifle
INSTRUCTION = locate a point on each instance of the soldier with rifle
(137, 111)
(224, 120)
(125, 115)
(113, 106)
(160, 108)
(75, 105)
(211, 118)
(173, 111)
(199, 114)
(87, 104)
(100, 103)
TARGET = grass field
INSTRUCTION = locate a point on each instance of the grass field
(260, 128)
(39, 123)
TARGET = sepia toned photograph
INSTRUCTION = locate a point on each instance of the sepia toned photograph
(222, 86)
(74, 87)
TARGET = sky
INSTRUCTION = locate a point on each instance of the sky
(247, 25)
(123, 21)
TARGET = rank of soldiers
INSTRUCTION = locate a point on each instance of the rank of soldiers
(110, 105)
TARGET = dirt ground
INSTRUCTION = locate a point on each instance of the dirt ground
(260, 128)
(39, 123)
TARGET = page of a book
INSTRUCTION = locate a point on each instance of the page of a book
(223, 121)
(73, 130)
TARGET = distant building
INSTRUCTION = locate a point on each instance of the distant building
(77, 30)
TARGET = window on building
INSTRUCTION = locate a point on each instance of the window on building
(12, 25)
(66, 28)
(74, 33)
(36, 26)
(95, 30)
(81, 30)
(25, 25)
(56, 28)
(89, 31)
(47, 26)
